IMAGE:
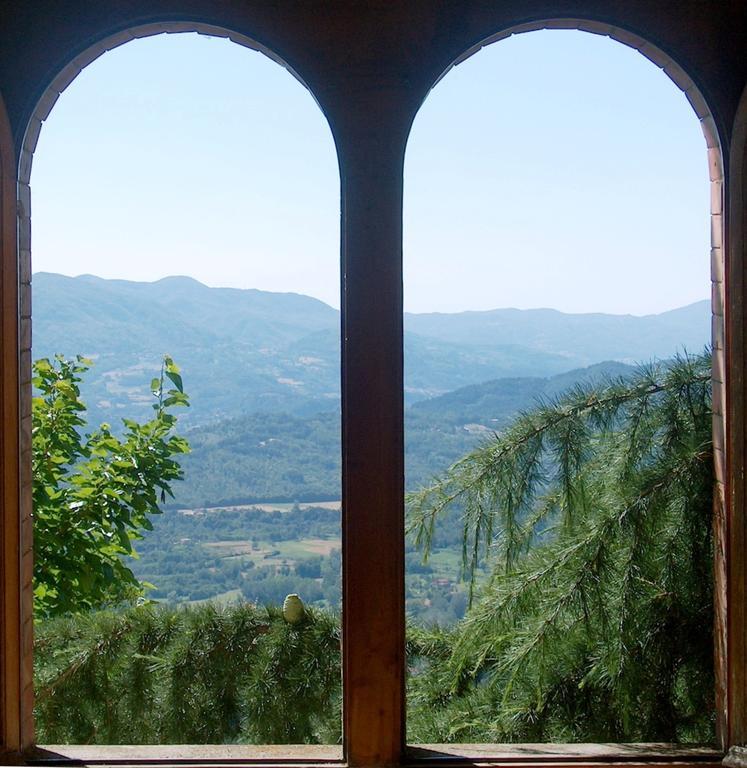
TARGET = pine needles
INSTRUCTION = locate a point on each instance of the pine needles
(593, 515)
(204, 675)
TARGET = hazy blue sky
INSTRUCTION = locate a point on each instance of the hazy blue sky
(552, 169)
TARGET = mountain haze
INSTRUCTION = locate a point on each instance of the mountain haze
(262, 371)
(585, 338)
(245, 351)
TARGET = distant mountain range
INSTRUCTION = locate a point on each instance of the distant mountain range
(250, 351)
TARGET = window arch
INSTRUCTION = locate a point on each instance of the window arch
(732, 649)
(371, 178)
(29, 144)
(714, 159)
(15, 621)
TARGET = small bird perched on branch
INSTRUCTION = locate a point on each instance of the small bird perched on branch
(293, 609)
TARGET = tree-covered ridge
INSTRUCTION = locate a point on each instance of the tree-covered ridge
(283, 458)
(593, 513)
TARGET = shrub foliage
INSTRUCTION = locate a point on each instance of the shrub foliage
(93, 493)
(153, 675)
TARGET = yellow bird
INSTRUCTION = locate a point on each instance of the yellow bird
(293, 609)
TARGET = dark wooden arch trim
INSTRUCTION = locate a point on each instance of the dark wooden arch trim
(12, 667)
(736, 275)
(22, 211)
(719, 300)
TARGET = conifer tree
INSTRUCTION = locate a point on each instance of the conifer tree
(592, 513)
(203, 675)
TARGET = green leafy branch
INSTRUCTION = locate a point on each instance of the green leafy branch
(94, 493)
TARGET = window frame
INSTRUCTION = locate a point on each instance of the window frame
(374, 661)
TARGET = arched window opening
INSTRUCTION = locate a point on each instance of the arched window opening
(558, 388)
(186, 292)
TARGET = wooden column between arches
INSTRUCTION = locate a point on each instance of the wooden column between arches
(373, 463)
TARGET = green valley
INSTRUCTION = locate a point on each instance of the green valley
(256, 518)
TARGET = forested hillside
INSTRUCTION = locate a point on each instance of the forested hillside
(285, 458)
(249, 521)
(257, 514)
